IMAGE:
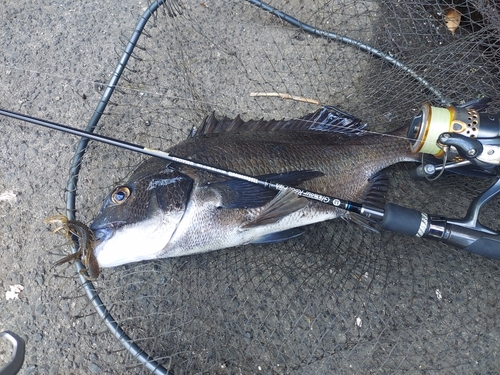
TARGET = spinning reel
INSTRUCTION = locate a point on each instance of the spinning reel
(467, 141)
(461, 136)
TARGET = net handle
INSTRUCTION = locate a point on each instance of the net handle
(74, 171)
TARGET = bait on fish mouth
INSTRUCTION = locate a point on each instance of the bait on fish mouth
(86, 243)
(475, 147)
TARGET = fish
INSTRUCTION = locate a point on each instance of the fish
(166, 209)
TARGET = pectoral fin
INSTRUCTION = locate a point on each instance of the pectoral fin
(242, 194)
(283, 204)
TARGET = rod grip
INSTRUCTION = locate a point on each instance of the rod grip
(473, 241)
(413, 223)
(401, 219)
(487, 247)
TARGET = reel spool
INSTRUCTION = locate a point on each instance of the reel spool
(428, 126)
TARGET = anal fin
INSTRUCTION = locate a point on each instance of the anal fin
(279, 236)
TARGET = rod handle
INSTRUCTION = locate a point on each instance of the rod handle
(414, 223)
(400, 219)
(473, 241)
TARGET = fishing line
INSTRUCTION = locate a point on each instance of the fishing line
(156, 93)
(116, 86)
(174, 9)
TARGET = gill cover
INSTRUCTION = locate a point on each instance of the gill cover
(141, 198)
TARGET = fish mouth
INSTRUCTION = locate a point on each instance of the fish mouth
(105, 232)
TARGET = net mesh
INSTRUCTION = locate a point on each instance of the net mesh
(338, 299)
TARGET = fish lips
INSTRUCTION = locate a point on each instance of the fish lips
(103, 232)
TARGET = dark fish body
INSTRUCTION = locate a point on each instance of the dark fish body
(167, 209)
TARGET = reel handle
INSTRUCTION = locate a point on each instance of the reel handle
(477, 240)
(467, 148)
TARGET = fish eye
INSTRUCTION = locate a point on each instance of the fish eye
(120, 195)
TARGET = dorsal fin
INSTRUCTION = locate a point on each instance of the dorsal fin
(327, 119)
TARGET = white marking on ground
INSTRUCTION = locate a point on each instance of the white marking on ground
(439, 295)
(8, 196)
(14, 291)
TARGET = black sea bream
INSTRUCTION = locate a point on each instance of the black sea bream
(168, 210)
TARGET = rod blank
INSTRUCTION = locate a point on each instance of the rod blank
(332, 201)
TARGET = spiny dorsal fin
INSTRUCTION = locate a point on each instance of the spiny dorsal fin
(327, 119)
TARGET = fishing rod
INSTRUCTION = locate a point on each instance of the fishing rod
(467, 234)
(368, 212)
